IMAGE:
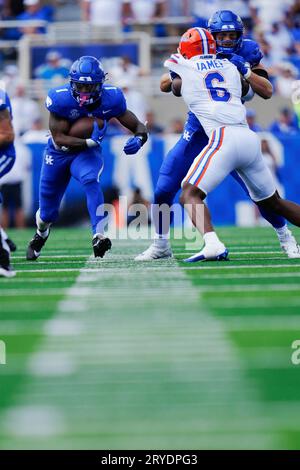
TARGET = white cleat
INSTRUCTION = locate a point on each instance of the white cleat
(210, 253)
(290, 247)
(155, 252)
(7, 271)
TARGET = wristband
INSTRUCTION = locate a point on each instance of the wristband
(248, 73)
(91, 143)
(143, 137)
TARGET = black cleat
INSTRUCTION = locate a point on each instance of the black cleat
(35, 247)
(101, 246)
(6, 269)
(11, 244)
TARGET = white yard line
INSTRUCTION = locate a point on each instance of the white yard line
(157, 266)
(178, 380)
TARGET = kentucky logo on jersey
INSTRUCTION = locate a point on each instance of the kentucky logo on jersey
(74, 113)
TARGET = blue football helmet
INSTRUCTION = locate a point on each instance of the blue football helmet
(86, 78)
(224, 21)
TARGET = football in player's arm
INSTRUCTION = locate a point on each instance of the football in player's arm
(59, 128)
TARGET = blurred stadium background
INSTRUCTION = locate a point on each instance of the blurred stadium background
(98, 356)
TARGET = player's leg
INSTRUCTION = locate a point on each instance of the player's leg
(55, 177)
(173, 169)
(209, 169)
(4, 200)
(286, 239)
(6, 270)
(288, 209)
(261, 186)
(87, 168)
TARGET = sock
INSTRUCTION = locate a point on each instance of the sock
(211, 238)
(277, 221)
(95, 205)
(3, 234)
(43, 233)
(161, 242)
(283, 232)
(3, 243)
(42, 227)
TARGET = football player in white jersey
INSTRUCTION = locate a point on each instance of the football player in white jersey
(212, 89)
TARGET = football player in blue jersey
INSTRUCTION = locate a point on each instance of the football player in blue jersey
(7, 160)
(84, 96)
(227, 28)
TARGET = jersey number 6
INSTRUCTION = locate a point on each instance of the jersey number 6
(217, 93)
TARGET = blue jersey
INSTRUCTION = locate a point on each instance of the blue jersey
(251, 52)
(60, 101)
(7, 152)
(5, 102)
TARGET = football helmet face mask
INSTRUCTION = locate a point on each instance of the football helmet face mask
(225, 21)
(86, 78)
(197, 41)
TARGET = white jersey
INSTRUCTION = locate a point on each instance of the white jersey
(212, 90)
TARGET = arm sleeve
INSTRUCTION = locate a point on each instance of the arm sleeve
(53, 105)
(121, 104)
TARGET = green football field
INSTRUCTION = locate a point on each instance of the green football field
(114, 354)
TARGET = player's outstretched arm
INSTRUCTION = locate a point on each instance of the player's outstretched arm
(6, 129)
(132, 123)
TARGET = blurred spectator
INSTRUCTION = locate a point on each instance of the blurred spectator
(13, 8)
(146, 10)
(287, 122)
(251, 119)
(125, 68)
(144, 215)
(266, 50)
(152, 125)
(34, 11)
(202, 11)
(55, 69)
(280, 41)
(176, 8)
(25, 111)
(176, 126)
(37, 133)
(105, 13)
(11, 79)
(135, 100)
(11, 189)
(285, 78)
(269, 11)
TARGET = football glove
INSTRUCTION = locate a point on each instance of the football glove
(133, 145)
(242, 66)
(97, 135)
(255, 56)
